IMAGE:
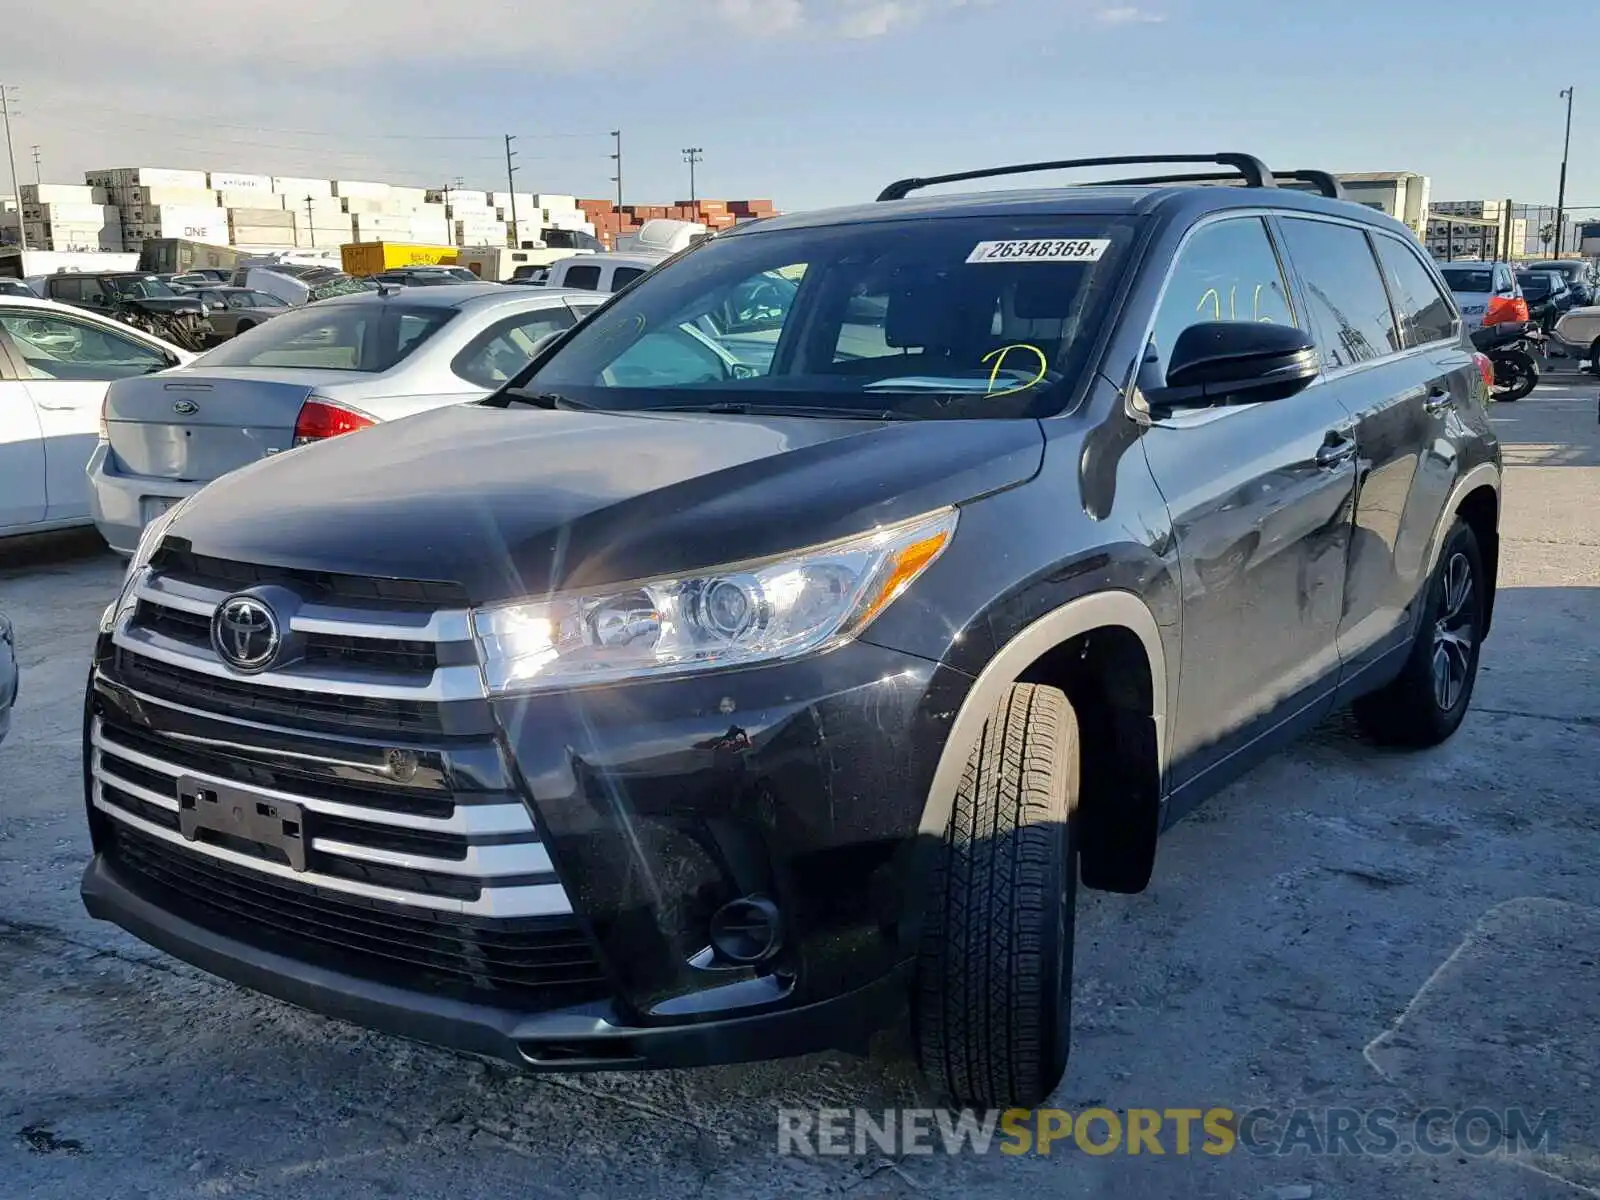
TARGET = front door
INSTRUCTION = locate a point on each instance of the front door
(21, 453)
(1260, 497)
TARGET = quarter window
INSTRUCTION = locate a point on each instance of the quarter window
(624, 276)
(498, 353)
(1349, 305)
(1227, 271)
(1425, 315)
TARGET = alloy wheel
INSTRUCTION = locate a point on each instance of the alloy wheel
(1454, 634)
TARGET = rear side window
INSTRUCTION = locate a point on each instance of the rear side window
(66, 289)
(624, 276)
(1226, 271)
(339, 337)
(503, 349)
(1425, 315)
(586, 278)
(1349, 305)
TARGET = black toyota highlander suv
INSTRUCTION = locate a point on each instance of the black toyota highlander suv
(704, 696)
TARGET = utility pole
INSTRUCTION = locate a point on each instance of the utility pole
(693, 155)
(311, 222)
(617, 158)
(1561, 191)
(38, 173)
(8, 97)
(511, 186)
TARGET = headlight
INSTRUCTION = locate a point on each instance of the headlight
(142, 554)
(728, 617)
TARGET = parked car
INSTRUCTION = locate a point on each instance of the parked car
(426, 276)
(1485, 292)
(55, 365)
(327, 368)
(1547, 294)
(1579, 274)
(233, 310)
(651, 713)
(15, 287)
(9, 678)
(137, 298)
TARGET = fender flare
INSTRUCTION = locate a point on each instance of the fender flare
(1083, 615)
(1478, 476)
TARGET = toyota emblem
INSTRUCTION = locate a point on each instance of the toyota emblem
(244, 633)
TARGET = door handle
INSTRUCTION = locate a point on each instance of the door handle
(1333, 452)
(1438, 400)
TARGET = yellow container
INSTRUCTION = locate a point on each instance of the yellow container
(369, 258)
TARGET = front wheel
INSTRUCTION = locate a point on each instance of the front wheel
(991, 1009)
(1428, 699)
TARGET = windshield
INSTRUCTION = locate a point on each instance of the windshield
(1572, 272)
(337, 337)
(142, 289)
(1467, 281)
(1536, 283)
(958, 317)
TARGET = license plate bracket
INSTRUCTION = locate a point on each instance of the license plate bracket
(205, 805)
(155, 506)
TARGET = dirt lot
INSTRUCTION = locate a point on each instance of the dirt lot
(1345, 929)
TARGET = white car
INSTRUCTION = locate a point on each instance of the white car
(328, 368)
(56, 363)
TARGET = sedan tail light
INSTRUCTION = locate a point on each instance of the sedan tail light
(321, 419)
(105, 428)
(1485, 368)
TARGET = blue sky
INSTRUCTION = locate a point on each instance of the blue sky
(808, 102)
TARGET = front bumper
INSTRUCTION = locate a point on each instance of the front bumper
(117, 500)
(583, 1037)
(802, 782)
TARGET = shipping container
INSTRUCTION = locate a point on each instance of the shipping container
(180, 221)
(546, 200)
(61, 193)
(76, 214)
(25, 264)
(245, 198)
(148, 197)
(161, 177)
(232, 181)
(278, 236)
(369, 258)
(345, 188)
(177, 255)
(297, 189)
(52, 236)
(260, 218)
(408, 195)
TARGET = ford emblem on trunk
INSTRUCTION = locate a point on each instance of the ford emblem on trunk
(185, 407)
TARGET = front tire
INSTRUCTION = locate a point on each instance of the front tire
(1425, 704)
(991, 1007)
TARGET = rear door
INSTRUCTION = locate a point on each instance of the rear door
(22, 495)
(66, 364)
(1396, 360)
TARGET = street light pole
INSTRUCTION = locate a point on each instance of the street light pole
(692, 155)
(1561, 191)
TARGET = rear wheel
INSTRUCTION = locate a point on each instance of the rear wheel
(991, 1009)
(242, 326)
(1427, 701)
(1515, 375)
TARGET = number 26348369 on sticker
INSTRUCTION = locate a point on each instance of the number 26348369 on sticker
(1040, 250)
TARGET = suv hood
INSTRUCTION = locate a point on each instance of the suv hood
(515, 502)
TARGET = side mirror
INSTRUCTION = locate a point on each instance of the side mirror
(1236, 362)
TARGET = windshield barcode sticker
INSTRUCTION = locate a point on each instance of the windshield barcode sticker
(1040, 250)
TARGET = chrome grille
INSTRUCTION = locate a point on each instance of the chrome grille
(364, 670)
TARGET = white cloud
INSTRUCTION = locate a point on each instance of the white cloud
(1127, 15)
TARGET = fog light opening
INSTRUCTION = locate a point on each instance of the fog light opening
(747, 930)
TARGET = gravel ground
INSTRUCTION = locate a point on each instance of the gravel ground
(1344, 928)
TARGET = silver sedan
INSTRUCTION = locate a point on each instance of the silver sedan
(326, 369)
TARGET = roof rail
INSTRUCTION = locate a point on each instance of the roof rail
(1325, 182)
(1253, 170)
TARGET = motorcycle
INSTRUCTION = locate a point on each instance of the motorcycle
(1512, 350)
